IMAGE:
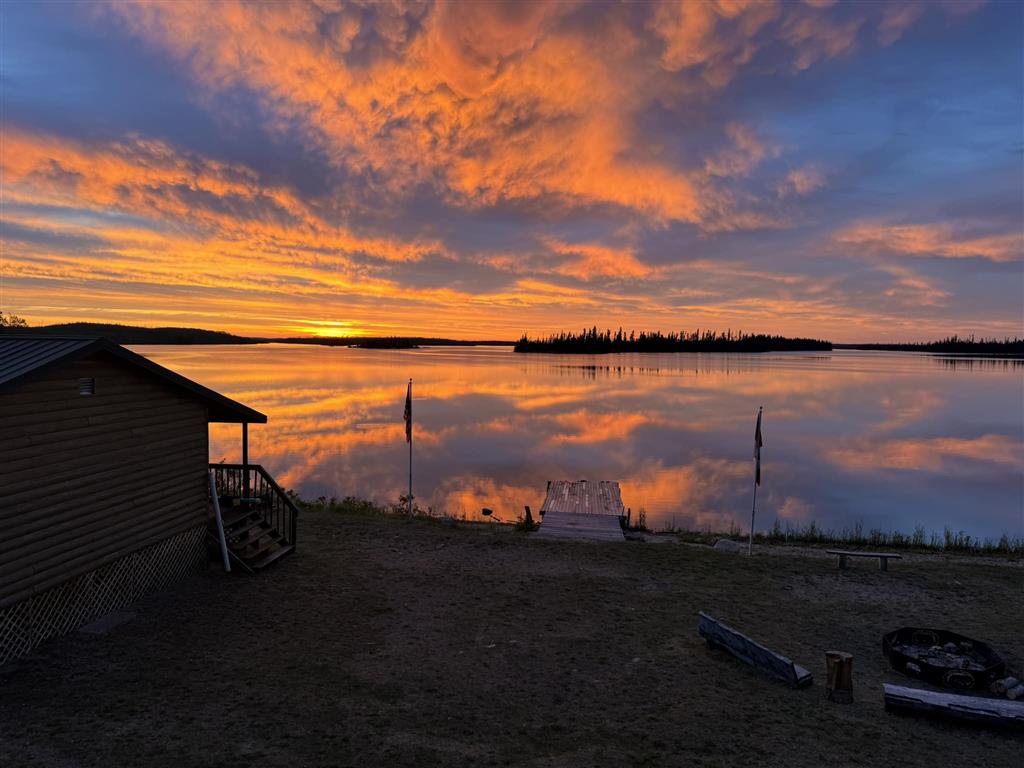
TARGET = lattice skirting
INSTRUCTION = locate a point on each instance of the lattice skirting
(85, 598)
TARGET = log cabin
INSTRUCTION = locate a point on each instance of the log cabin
(106, 485)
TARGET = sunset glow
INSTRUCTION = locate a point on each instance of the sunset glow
(336, 329)
(850, 171)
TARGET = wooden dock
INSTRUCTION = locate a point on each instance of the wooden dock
(582, 510)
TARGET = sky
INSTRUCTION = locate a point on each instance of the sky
(849, 171)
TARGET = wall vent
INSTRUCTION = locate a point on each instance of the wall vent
(87, 386)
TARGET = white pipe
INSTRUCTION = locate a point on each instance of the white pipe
(220, 523)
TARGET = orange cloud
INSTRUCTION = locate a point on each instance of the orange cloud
(717, 36)
(495, 102)
(150, 179)
(590, 260)
(911, 288)
(464, 495)
(587, 427)
(468, 42)
(487, 99)
(814, 37)
(702, 489)
(491, 102)
(801, 181)
(896, 18)
(748, 152)
(928, 454)
(942, 240)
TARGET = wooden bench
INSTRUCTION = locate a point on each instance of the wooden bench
(883, 557)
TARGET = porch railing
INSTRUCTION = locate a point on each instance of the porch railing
(254, 490)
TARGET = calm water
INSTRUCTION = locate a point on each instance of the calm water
(888, 439)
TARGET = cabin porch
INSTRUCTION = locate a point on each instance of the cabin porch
(259, 520)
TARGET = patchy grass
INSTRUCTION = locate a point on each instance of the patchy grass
(352, 505)
(810, 534)
(387, 641)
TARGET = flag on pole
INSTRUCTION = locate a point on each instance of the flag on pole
(757, 448)
(408, 413)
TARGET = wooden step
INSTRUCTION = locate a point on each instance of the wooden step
(240, 518)
(247, 552)
(246, 527)
(267, 559)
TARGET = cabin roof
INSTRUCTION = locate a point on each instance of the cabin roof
(584, 497)
(25, 356)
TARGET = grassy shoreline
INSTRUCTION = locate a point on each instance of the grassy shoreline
(809, 535)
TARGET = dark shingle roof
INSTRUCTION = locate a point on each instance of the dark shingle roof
(22, 356)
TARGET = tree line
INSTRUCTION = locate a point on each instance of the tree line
(951, 345)
(593, 341)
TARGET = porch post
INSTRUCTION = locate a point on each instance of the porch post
(245, 458)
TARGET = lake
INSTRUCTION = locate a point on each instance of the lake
(887, 440)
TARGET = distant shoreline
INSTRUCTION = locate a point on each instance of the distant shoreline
(594, 342)
(1008, 349)
(132, 334)
(949, 348)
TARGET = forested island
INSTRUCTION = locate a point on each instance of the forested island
(595, 342)
(953, 345)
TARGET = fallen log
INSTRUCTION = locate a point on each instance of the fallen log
(765, 660)
(978, 709)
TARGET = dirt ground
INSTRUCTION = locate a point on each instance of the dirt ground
(385, 642)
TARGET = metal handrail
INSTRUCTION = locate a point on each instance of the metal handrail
(279, 511)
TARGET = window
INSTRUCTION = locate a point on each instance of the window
(87, 386)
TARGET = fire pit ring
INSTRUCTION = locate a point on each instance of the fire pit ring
(943, 658)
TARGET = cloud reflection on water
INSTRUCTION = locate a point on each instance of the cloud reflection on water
(890, 440)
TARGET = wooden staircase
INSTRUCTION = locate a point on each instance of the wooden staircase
(253, 542)
(260, 521)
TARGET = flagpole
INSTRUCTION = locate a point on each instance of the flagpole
(757, 480)
(410, 447)
(753, 510)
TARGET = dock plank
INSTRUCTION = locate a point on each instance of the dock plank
(584, 497)
(582, 509)
(566, 525)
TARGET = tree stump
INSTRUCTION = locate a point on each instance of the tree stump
(839, 678)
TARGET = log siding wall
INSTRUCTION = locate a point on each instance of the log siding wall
(87, 479)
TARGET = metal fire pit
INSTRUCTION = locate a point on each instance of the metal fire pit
(943, 658)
